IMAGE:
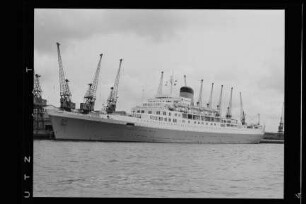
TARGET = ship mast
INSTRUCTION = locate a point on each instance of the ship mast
(258, 119)
(209, 104)
(185, 83)
(229, 108)
(171, 84)
(199, 103)
(242, 113)
(220, 103)
(160, 87)
(281, 123)
(142, 95)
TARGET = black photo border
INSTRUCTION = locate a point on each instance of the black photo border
(293, 91)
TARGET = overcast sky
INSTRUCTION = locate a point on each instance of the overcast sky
(243, 49)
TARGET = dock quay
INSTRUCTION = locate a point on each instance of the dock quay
(42, 127)
(271, 137)
(43, 134)
(272, 141)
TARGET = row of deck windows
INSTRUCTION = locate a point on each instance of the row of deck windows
(156, 103)
(159, 113)
(163, 119)
(175, 120)
(206, 118)
(188, 116)
(183, 121)
(198, 117)
(151, 104)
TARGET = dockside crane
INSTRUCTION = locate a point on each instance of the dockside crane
(209, 104)
(219, 106)
(65, 94)
(242, 113)
(160, 86)
(38, 105)
(112, 99)
(199, 103)
(37, 91)
(281, 123)
(229, 108)
(90, 95)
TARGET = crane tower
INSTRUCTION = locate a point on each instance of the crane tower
(281, 123)
(38, 105)
(112, 99)
(37, 91)
(90, 95)
(65, 94)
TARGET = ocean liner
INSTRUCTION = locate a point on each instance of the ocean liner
(160, 119)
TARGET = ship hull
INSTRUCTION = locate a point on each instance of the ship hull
(85, 128)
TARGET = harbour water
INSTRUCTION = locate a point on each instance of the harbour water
(157, 170)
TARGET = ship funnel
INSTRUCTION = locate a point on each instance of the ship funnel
(187, 92)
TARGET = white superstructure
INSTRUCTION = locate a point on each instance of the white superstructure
(178, 113)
